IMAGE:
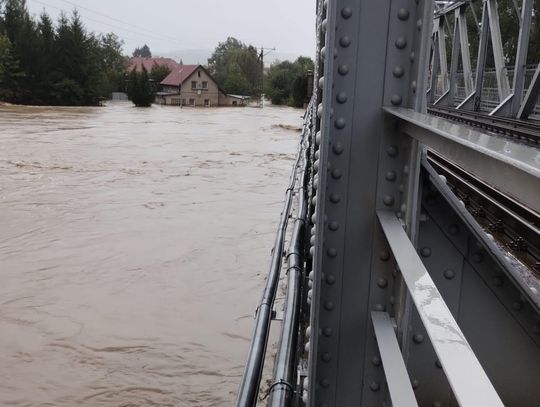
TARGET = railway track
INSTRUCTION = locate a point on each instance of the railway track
(526, 131)
(514, 226)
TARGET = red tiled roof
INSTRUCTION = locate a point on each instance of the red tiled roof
(148, 63)
(179, 75)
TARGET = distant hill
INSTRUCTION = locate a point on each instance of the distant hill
(200, 56)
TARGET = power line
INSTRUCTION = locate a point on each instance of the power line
(117, 19)
(141, 34)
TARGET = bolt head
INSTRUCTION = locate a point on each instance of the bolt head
(388, 200)
(398, 71)
(403, 14)
(390, 176)
(401, 43)
(343, 69)
(374, 386)
(346, 13)
(418, 338)
(382, 282)
(337, 148)
(449, 274)
(341, 97)
(396, 100)
(345, 41)
(392, 151)
(340, 123)
(336, 173)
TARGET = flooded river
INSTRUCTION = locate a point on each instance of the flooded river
(134, 245)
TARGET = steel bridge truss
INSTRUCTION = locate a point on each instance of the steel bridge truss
(514, 101)
(398, 294)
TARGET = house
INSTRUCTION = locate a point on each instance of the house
(192, 85)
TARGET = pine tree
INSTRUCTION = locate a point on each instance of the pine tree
(10, 72)
(139, 89)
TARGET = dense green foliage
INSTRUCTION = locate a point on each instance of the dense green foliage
(158, 73)
(43, 63)
(236, 67)
(286, 82)
(143, 52)
(139, 88)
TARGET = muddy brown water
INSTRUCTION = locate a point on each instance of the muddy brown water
(134, 245)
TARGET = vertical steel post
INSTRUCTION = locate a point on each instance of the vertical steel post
(456, 47)
(474, 101)
(443, 62)
(434, 67)
(527, 106)
(465, 53)
(498, 54)
(521, 56)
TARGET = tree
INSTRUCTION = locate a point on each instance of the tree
(139, 89)
(158, 73)
(58, 64)
(236, 67)
(286, 82)
(10, 73)
(112, 64)
(143, 52)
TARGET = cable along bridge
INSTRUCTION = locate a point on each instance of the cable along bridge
(413, 264)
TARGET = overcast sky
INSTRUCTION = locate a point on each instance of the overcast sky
(171, 25)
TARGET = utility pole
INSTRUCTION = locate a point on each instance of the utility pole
(264, 52)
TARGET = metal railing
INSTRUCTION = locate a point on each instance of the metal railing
(282, 389)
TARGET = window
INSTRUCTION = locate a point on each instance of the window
(199, 73)
(175, 102)
(207, 102)
(205, 85)
(183, 102)
(192, 102)
(193, 84)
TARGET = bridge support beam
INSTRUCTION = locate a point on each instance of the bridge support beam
(375, 54)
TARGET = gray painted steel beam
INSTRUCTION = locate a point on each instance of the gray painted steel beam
(469, 382)
(521, 55)
(397, 378)
(511, 167)
(474, 101)
(510, 106)
(465, 54)
(456, 47)
(498, 53)
(529, 102)
(443, 61)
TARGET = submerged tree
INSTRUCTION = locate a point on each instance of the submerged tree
(139, 89)
(56, 64)
(236, 67)
(10, 72)
(286, 82)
